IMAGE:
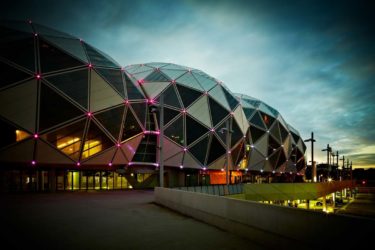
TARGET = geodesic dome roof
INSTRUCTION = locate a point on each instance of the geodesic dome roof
(63, 101)
(274, 144)
(197, 107)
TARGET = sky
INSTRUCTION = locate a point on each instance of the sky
(313, 61)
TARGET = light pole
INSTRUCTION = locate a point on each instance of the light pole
(153, 109)
(228, 137)
(343, 166)
(312, 156)
(328, 149)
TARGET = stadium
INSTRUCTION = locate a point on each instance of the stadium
(72, 118)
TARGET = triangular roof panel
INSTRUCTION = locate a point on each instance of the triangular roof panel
(101, 94)
(18, 104)
(200, 111)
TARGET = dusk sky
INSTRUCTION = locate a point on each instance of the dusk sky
(311, 60)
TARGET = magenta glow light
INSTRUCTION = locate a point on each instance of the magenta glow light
(110, 164)
(212, 130)
(89, 114)
(78, 164)
(185, 149)
(151, 101)
(36, 136)
(33, 162)
(181, 166)
(140, 81)
(184, 111)
(38, 76)
(118, 145)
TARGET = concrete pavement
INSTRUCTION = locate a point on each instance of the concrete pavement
(104, 220)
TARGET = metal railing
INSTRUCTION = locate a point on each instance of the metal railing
(215, 189)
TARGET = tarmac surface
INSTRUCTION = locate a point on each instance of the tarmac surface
(104, 220)
(363, 205)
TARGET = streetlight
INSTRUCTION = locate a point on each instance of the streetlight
(312, 156)
(153, 109)
(329, 150)
(229, 131)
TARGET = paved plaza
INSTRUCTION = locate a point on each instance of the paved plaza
(104, 220)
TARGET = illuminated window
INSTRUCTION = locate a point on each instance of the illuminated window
(21, 135)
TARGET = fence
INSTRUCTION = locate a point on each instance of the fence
(214, 189)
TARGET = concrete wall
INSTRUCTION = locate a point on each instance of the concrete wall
(270, 225)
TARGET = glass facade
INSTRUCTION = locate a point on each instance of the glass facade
(66, 103)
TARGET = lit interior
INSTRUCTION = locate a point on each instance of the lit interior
(21, 135)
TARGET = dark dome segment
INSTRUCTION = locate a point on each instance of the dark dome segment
(63, 101)
(197, 107)
(274, 145)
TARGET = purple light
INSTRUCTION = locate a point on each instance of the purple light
(38, 76)
(140, 81)
(185, 149)
(36, 136)
(110, 164)
(151, 101)
(204, 169)
(78, 164)
(89, 114)
(33, 162)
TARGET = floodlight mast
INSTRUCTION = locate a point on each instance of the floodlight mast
(312, 156)
(228, 131)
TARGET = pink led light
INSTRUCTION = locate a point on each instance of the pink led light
(126, 101)
(35, 34)
(185, 149)
(36, 136)
(222, 169)
(212, 130)
(33, 162)
(183, 111)
(140, 81)
(89, 114)
(229, 152)
(173, 81)
(38, 76)
(151, 101)
(90, 65)
(78, 164)
(110, 164)
(204, 168)
(118, 145)
(181, 166)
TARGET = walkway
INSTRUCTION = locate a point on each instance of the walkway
(104, 220)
